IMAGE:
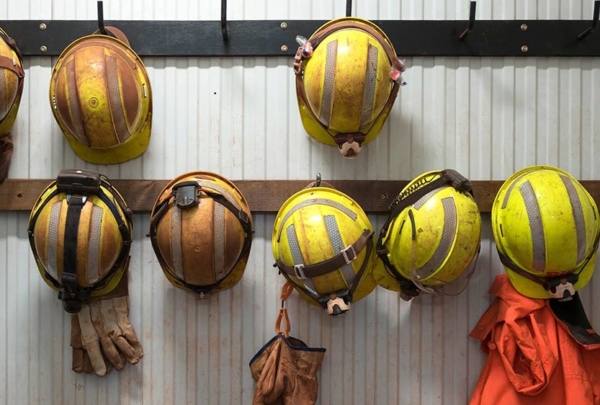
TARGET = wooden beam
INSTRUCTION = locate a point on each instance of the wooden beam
(265, 196)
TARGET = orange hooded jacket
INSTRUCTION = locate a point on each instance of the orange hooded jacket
(540, 352)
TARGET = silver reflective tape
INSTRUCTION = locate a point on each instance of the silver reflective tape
(74, 106)
(535, 224)
(328, 83)
(421, 201)
(319, 201)
(507, 195)
(114, 97)
(443, 249)
(369, 91)
(297, 256)
(53, 239)
(577, 217)
(94, 245)
(337, 244)
(219, 241)
(221, 190)
(176, 242)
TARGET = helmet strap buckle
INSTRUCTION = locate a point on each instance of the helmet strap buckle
(337, 303)
(562, 287)
(71, 295)
(299, 271)
(347, 258)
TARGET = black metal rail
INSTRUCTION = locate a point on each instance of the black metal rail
(277, 37)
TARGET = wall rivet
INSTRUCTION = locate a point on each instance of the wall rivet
(284, 48)
(524, 27)
(283, 25)
(43, 26)
(43, 48)
(524, 48)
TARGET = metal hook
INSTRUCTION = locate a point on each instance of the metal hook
(101, 28)
(471, 21)
(318, 182)
(591, 29)
(224, 20)
(348, 8)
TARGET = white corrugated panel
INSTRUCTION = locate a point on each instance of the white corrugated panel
(486, 117)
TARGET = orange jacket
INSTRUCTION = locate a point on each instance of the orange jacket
(533, 357)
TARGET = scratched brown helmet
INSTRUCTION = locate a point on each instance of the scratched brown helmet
(101, 98)
(201, 232)
(11, 82)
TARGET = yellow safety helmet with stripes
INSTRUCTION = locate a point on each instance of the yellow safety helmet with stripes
(11, 82)
(80, 234)
(546, 227)
(431, 240)
(323, 243)
(347, 78)
(101, 98)
(201, 232)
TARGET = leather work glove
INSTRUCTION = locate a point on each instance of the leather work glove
(6, 151)
(102, 336)
(285, 369)
(286, 372)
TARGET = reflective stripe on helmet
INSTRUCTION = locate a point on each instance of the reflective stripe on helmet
(328, 83)
(219, 241)
(535, 224)
(176, 242)
(52, 240)
(75, 106)
(94, 244)
(577, 216)
(114, 99)
(448, 235)
(369, 90)
(321, 201)
(298, 258)
(337, 245)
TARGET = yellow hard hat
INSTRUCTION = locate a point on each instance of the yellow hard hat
(347, 78)
(11, 82)
(546, 227)
(80, 235)
(432, 237)
(201, 232)
(101, 98)
(323, 244)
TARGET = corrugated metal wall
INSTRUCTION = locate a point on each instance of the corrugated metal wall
(484, 117)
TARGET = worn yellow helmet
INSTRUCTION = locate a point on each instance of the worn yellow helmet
(101, 98)
(11, 82)
(431, 239)
(80, 235)
(201, 232)
(347, 78)
(323, 244)
(546, 227)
